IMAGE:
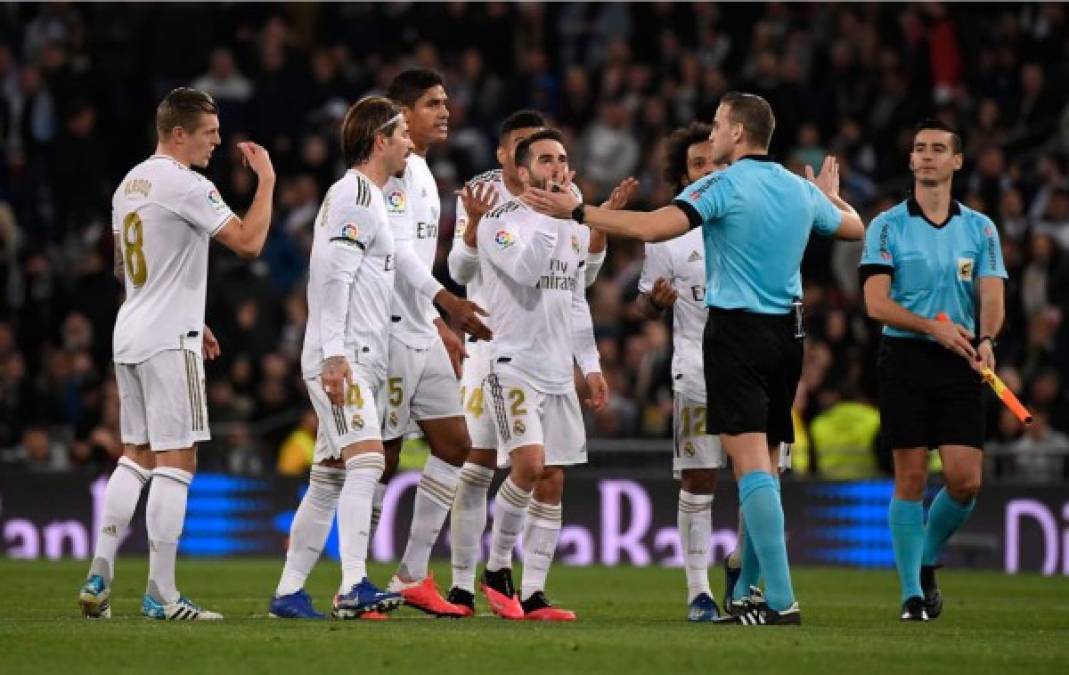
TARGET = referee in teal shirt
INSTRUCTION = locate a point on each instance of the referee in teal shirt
(756, 218)
(926, 256)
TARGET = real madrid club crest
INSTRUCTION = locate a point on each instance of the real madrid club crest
(358, 421)
(575, 244)
(393, 419)
(688, 449)
(519, 427)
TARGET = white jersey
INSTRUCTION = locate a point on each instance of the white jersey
(350, 279)
(682, 262)
(413, 207)
(534, 272)
(164, 215)
(464, 261)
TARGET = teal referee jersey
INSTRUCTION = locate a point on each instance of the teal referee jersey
(934, 268)
(756, 218)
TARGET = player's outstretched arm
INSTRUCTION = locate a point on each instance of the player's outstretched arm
(660, 225)
(246, 236)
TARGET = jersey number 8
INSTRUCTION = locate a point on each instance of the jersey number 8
(133, 236)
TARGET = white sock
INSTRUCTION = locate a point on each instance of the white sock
(164, 516)
(354, 515)
(468, 522)
(695, 519)
(311, 527)
(376, 506)
(540, 537)
(120, 501)
(510, 507)
(434, 498)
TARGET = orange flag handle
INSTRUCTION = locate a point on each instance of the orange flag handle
(1004, 393)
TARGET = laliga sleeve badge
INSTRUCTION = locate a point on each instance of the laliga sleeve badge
(395, 202)
(504, 239)
(965, 269)
(350, 231)
(215, 200)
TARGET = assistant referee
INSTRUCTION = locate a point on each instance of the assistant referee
(756, 218)
(926, 256)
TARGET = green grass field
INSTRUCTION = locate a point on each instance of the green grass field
(631, 621)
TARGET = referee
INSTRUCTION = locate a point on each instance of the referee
(925, 256)
(756, 218)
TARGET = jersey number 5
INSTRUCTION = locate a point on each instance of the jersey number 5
(133, 237)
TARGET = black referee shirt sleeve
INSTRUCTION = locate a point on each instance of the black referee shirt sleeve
(870, 269)
(692, 213)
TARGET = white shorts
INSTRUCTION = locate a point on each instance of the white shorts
(784, 456)
(693, 447)
(479, 417)
(524, 416)
(341, 426)
(162, 402)
(421, 386)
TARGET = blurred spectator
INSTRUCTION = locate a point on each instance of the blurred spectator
(1042, 454)
(297, 451)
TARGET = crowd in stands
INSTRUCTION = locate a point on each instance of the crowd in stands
(78, 90)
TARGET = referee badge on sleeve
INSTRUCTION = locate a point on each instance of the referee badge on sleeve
(965, 269)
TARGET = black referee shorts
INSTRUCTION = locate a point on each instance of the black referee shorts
(752, 366)
(929, 396)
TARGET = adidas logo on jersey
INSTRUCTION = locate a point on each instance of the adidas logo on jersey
(694, 256)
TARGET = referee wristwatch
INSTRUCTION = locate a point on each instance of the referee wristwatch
(988, 338)
(578, 215)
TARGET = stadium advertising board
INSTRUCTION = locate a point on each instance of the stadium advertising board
(611, 518)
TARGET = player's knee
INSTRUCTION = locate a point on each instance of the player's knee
(910, 484)
(698, 481)
(483, 457)
(449, 440)
(964, 489)
(549, 487)
(526, 470)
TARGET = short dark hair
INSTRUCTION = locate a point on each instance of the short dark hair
(939, 125)
(523, 150)
(753, 113)
(521, 119)
(183, 108)
(409, 85)
(369, 116)
(675, 152)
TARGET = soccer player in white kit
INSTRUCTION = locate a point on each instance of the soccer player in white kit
(425, 354)
(163, 217)
(534, 283)
(673, 275)
(344, 361)
(478, 196)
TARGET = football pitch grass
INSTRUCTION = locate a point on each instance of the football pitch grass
(631, 620)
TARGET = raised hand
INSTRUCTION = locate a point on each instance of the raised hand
(828, 180)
